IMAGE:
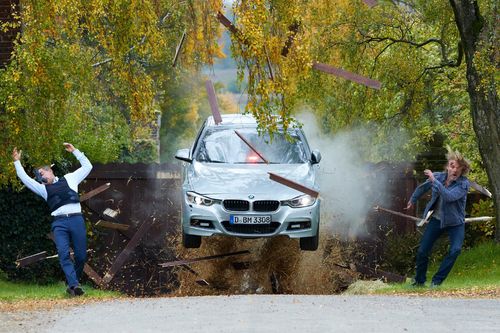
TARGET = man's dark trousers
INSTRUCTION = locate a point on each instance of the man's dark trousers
(69, 230)
(431, 234)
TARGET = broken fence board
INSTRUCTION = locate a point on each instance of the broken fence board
(31, 259)
(94, 192)
(347, 75)
(212, 100)
(189, 261)
(111, 225)
(370, 3)
(127, 251)
(292, 184)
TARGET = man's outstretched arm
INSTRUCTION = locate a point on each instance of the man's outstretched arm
(77, 176)
(29, 182)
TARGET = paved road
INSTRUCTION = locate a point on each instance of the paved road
(266, 313)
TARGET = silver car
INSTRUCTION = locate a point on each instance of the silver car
(227, 188)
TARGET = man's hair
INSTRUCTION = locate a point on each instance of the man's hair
(44, 167)
(456, 156)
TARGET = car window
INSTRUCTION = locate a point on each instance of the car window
(225, 146)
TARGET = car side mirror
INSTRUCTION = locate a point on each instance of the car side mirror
(183, 155)
(315, 156)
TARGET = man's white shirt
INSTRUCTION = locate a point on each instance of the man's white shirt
(73, 178)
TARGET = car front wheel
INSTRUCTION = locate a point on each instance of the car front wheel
(310, 243)
(190, 241)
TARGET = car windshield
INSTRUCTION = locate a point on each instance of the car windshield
(223, 145)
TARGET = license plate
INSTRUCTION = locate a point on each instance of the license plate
(250, 219)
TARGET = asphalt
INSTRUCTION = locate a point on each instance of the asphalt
(265, 313)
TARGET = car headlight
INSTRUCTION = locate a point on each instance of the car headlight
(300, 201)
(199, 199)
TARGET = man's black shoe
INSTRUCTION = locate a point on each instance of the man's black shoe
(75, 291)
(71, 292)
(78, 291)
(416, 284)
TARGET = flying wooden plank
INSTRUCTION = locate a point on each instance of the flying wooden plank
(212, 99)
(480, 189)
(178, 49)
(347, 75)
(189, 261)
(370, 3)
(294, 185)
(94, 192)
(31, 259)
(420, 222)
(250, 146)
(228, 24)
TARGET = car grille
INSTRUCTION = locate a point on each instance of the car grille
(236, 205)
(266, 205)
(251, 229)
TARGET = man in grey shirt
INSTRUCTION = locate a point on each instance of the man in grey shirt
(68, 225)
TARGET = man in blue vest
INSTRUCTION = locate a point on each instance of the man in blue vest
(68, 225)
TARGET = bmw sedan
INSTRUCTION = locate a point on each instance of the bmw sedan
(227, 189)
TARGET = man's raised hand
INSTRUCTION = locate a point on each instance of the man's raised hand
(69, 147)
(16, 154)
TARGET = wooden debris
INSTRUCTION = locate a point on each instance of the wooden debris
(189, 261)
(127, 251)
(250, 146)
(112, 225)
(294, 185)
(370, 3)
(201, 282)
(347, 75)
(481, 189)
(479, 219)
(94, 192)
(178, 49)
(212, 99)
(110, 212)
(228, 24)
(414, 218)
(31, 259)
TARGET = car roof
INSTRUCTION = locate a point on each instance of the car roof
(233, 119)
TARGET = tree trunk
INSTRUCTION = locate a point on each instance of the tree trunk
(482, 91)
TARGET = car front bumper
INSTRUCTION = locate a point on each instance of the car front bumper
(214, 220)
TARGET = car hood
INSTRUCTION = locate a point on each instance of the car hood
(218, 181)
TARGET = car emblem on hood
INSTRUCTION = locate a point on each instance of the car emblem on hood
(251, 196)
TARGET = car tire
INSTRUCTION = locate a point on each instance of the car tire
(191, 241)
(310, 243)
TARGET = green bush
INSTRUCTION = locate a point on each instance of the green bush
(24, 224)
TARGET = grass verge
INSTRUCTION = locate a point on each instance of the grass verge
(14, 291)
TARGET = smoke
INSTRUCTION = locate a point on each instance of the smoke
(349, 185)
